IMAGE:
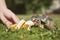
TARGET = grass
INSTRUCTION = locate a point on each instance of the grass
(35, 33)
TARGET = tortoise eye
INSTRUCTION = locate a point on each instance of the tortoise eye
(34, 20)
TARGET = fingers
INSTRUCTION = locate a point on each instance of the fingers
(15, 19)
(9, 14)
(5, 21)
(8, 17)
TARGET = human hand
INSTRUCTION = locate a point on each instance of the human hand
(8, 17)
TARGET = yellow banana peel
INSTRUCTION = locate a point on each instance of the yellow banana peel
(24, 26)
(13, 27)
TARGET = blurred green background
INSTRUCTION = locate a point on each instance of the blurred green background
(36, 33)
(27, 6)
